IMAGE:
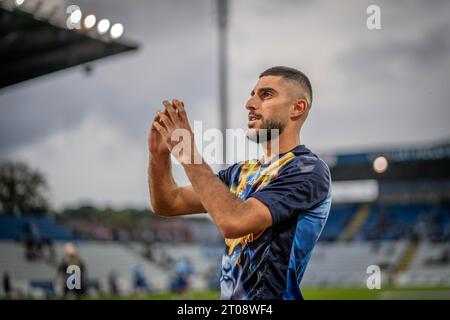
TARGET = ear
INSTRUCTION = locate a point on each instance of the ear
(299, 108)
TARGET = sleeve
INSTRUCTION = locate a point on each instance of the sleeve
(298, 187)
(226, 174)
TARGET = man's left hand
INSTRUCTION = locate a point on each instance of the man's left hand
(173, 125)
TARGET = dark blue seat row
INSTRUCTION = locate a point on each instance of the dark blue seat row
(12, 227)
(340, 215)
(400, 221)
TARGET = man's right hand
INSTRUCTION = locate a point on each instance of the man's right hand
(161, 184)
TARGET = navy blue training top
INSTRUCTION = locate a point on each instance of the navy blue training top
(269, 264)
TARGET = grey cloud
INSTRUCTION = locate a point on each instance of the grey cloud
(425, 54)
(27, 114)
(376, 88)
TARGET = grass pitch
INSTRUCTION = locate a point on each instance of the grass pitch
(326, 293)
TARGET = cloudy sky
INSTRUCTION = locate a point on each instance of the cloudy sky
(373, 89)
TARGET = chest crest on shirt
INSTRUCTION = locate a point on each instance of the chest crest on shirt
(250, 178)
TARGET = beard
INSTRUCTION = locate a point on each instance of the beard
(269, 130)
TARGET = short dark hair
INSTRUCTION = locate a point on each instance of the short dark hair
(293, 75)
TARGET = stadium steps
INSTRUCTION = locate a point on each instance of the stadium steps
(345, 264)
(407, 257)
(13, 261)
(355, 224)
(102, 257)
(427, 267)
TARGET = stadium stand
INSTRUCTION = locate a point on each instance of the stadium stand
(405, 231)
(391, 237)
(12, 227)
(100, 258)
(394, 221)
(345, 264)
(12, 259)
(23, 272)
(340, 215)
(103, 257)
(429, 267)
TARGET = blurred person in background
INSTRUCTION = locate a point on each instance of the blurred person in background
(140, 283)
(183, 272)
(6, 282)
(113, 283)
(32, 240)
(72, 258)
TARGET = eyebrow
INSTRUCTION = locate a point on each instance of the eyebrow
(263, 89)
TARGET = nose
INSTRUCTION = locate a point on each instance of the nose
(250, 105)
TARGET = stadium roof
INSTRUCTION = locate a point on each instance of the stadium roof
(426, 162)
(32, 47)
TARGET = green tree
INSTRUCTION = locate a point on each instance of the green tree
(22, 189)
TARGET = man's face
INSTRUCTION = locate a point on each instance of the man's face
(268, 107)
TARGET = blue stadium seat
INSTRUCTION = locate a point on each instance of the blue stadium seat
(340, 215)
(12, 227)
(398, 220)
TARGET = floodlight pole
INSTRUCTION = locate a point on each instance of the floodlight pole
(222, 16)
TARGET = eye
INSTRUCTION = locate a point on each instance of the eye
(266, 94)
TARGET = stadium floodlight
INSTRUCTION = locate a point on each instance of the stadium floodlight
(19, 2)
(103, 26)
(90, 21)
(116, 31)
(380, 164)
(75, 16)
